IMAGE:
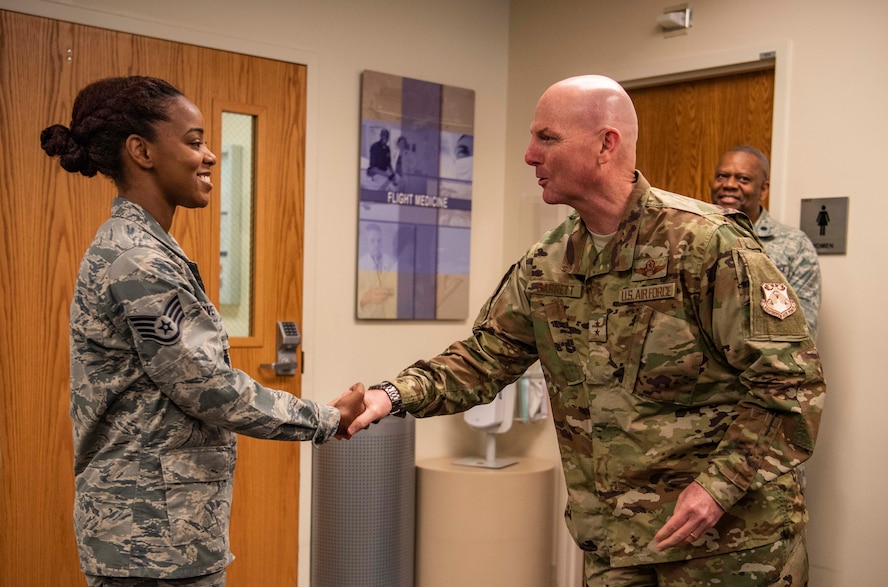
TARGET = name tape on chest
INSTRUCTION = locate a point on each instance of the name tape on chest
(627, 295)
(647, 292)
(552, 288)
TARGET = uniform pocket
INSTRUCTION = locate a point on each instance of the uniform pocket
(198, 492)
(670, 360)
(766, 321)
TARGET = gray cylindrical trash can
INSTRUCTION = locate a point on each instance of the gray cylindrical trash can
(363, 508)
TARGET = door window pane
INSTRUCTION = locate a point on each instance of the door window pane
(236, 223)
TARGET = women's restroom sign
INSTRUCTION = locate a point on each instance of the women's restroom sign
(414, 221)
(825, 221)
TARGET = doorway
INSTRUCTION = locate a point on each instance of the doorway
(47, 220)
(686, 125)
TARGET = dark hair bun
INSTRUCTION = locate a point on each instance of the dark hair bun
(57, 140)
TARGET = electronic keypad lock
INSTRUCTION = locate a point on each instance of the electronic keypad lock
(287, 339)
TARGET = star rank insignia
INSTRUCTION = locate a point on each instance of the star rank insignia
(163, 329)
(598, 328)
(776, 300)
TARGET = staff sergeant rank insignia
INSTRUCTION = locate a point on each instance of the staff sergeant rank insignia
(163, 329)
(776, 301)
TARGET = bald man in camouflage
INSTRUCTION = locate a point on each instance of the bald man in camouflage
(684, 384)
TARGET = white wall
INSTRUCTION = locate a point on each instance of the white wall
(830, 128)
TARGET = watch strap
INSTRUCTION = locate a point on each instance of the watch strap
(394, 396)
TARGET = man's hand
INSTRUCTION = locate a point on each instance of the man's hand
(350, 405)
(377, 405)
(695, 513)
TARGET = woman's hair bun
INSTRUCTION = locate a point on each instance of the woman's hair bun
(57, 140)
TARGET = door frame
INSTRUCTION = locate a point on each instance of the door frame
(778, 53)
(169, 32)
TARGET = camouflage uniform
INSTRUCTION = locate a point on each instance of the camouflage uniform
(781, 564)
(662, 367)
(794, 254)
(156, 407)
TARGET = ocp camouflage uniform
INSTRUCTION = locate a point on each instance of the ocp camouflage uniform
(156, 407)
(662, 367)
(794, 254)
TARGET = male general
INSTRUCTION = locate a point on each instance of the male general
(685, 386)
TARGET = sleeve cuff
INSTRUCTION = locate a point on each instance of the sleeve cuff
(409, 395)
(328, 423)
(725, 493)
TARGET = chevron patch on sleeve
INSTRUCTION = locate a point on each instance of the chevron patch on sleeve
(164, 329)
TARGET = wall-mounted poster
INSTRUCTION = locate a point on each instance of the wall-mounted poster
(417, 147)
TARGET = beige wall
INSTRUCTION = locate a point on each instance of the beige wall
(462, 43)
(830, 128)
(832, 88)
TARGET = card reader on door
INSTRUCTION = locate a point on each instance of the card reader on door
(287, 339)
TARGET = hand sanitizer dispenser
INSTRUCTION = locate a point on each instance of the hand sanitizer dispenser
(493, 418)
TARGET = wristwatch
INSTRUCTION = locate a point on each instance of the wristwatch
(394, 395)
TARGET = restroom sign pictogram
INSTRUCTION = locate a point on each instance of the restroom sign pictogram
(825, 221)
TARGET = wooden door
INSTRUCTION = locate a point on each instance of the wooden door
(47, 220)
(685, 127)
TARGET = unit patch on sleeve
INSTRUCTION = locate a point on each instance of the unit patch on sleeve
(776, 300)
(163, 329)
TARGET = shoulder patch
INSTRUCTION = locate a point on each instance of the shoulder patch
(163, 329)
(774, 310)
(776, 300)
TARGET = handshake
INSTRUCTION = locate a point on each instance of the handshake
(359, 407)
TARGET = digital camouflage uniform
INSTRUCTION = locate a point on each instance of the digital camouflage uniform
(794, 254)
(662, 367)
(156, 407)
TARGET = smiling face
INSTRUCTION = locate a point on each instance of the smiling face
(740, 183)
(182, 160)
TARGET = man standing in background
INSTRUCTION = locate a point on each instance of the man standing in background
(742, 182)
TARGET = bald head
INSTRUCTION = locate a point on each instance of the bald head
(596, 101)
(582, 145)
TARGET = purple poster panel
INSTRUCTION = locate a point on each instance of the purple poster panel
(414, 225)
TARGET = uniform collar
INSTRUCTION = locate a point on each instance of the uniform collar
(580, 256)
(132, 212)
(765, 226)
